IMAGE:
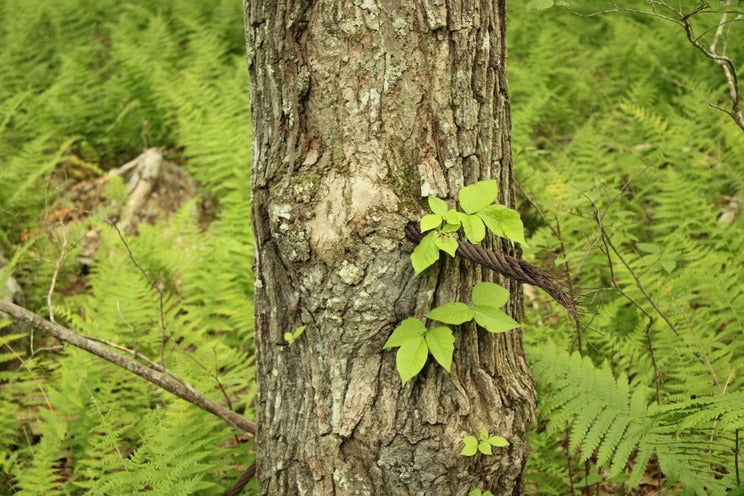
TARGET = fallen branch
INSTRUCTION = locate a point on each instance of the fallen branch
(161, 377)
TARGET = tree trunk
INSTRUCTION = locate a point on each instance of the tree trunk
(360, 110)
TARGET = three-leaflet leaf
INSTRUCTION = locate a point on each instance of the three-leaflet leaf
(415, 342)
(483, 445)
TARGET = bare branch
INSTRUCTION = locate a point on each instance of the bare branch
(55, 274)
(623, 10)
(160, 377)
(569, 279)
(153, 284)
(663, 10)
(719, 29)
(613, 280)
(727, 66)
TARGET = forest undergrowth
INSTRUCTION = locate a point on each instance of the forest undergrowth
(630, 182)
(632, 186)
(106, 81)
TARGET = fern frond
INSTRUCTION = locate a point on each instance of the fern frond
(595, 390)
(610, 423)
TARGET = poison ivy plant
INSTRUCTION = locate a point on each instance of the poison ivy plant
(415, 342)
(487, 298)
(478, 213)
(484, 443)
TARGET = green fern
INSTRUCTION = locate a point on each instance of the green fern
(159, 461)
(610, 423)
(633, 185)
(108, 79)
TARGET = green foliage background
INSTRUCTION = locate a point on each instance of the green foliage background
(634, 188)
(632, 184)
(86, 85)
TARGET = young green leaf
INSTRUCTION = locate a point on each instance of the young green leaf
(474, 228)
(489, 294)
(503, 221)
(291, 337)
(447, 244)
(411, 358)
(425, 254)
(485, 448)
(452, 217)
(411, 328)
(454, 313)
(441, 345)
(498, 441)
(492, 319)
(471, 446)
(430, 221)
(437, 205)
(476, 197)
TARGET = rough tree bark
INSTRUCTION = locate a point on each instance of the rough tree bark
(360, 110)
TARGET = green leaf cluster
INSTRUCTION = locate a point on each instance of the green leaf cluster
(484, 443)
(478, 213)
(415, 342)
(291, 337)
(487, 299)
